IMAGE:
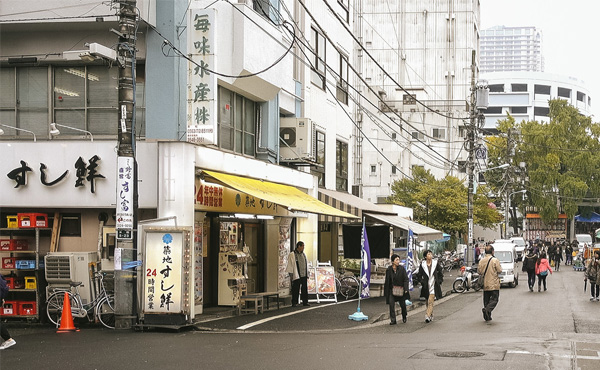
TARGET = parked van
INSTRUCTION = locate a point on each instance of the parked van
(520, 246)
(583, 239)
(506, 253)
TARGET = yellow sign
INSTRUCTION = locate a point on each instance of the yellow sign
(217, 198)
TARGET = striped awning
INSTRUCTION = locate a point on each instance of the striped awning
(348, 203)
(422, 231)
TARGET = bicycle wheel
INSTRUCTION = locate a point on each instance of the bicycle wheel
(105, 311)
(54, 306)
(349, 287)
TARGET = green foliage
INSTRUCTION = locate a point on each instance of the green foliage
(442, 204)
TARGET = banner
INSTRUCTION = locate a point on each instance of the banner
(409, 259)
(365, 266)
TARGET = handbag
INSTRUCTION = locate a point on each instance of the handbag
(481, 279)
(398, 291)
(544, 273)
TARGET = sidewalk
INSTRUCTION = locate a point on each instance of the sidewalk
(323, 316)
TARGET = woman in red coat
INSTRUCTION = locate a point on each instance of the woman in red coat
(542, 267)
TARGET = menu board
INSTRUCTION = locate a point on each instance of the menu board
(325, 280)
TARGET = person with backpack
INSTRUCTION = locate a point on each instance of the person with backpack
(529, 263)
(8, 341)
(592, 274)
(542, 267)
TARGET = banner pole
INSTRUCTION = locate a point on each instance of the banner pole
(359, 316)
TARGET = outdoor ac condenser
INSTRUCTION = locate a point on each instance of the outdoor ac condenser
(296, 139)
(65, 267)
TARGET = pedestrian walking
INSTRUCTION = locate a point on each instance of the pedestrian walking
(557, 258)
(395, 288)
(542, 267)
(529, 263)
(431, 277)
(489, 270)
(592, 273)
(7, 339)
(568, 255)
(298, 269)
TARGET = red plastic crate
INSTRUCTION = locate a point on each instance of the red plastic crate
(10, 308)
(7, 245)
(10, 281)
(8, 262)
(27, 308)
(32, 220)
(21, 244)
(19, 283)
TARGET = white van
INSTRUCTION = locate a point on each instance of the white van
(520, 246)
(506, 253)
(583, 239)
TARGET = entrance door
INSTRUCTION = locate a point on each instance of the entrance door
(253, 240)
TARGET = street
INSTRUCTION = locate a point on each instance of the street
(557, 329)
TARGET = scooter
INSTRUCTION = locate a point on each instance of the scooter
(467, 280)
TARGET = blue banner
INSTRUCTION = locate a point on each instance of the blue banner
(409, 259)
(365, 266)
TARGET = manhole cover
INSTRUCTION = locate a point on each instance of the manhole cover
(459, 354)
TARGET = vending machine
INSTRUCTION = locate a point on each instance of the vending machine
(232, 266)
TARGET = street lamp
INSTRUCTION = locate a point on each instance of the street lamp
(18, 129)
(506, 210)
(55, 132)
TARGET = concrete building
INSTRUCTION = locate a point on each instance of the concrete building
(505, 49)
(426, 49)
(525, 95)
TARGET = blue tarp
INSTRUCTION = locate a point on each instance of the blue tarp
(446, 237)
(594, 217)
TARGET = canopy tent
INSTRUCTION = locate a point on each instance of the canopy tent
(594, 217)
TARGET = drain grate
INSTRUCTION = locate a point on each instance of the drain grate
(459, 354)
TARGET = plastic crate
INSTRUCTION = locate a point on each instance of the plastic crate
(20, 244)
(19, 283)
(32, 220)
(10, 308)
(10, 281)
(30, 282)
(7, 245)
(12, 222)
(25, 264)
(27, 308)
(8, 262)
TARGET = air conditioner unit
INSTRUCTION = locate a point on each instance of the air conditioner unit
(63, 268)
(297, 139)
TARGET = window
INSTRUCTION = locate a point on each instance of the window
(542, 89)
(344, 7)
(417, 135)
(373, 169)
(439, 133)
(564, 92)
(580, 96)
(519, 87)
(393, 136)
(462, 166)
(541, 111)
(71, 224)
(237, 123)
(83, 97)
(342, 83)
(494, 110)
(341, 170)
(317, 44)
(497, 88)
(393, 170)
(409, 99)
(268, 9)
(522, 110)
(319, 171)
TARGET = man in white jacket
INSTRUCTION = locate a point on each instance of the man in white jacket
(298, 269)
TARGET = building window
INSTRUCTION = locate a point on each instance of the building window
(417, 135)
(462, 131)
(494, 110)
(409, 99)
(518, 87)
(237, 123)
(519, 110)
(564, 92)
(345, 9)
(319, 171)
(497, 88)
(373, 169)
(341, 159)
(71, 224)
(342, 83)
(462, 166)
(268, 9)
(317, 44)
(439, 133)
(83, 97)
(393, 136)
(580, 96)
(393, 170)
(541, 111)
(542, 89)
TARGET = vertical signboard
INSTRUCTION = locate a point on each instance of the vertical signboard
(201, 83)
(124, 212)
(163, 271)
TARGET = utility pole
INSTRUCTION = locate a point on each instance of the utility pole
(126, 192)
(470, 160)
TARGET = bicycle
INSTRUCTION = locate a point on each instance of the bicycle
(102, 306)
(347, 286)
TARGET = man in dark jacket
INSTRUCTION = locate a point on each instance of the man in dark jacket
(529, 267)
(395, 276)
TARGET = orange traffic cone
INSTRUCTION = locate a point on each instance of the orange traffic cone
(66, 319)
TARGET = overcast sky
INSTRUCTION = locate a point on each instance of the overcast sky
(571, 35)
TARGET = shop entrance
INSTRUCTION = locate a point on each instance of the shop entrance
(254, 242)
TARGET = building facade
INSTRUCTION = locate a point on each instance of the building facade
(505, 49)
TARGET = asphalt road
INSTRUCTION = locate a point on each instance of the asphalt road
(557, 329)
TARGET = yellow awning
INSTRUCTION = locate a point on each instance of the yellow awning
(284, 195)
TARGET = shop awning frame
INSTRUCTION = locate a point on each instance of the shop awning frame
(424, 233)
(348, 203)
(283, 195)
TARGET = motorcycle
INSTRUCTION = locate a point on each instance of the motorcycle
(467, 280)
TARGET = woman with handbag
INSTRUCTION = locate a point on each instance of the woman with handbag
(395, 288)
(542, 267)
(431, 276)
(592, 273)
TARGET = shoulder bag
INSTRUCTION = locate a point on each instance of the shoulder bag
(481, 279)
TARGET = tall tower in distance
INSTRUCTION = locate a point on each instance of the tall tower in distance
(508, 49)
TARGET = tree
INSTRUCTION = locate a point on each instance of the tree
(442, 204)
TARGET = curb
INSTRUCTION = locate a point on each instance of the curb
(412, 307)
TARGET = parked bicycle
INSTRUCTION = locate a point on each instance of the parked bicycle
(101, 308)
(347, 286)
